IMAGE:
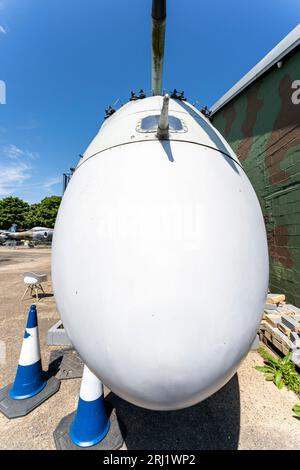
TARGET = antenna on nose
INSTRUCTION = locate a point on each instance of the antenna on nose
(159, 14)
(163, 123)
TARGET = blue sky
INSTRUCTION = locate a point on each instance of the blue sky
(64, 61)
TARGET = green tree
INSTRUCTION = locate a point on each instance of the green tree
(13, 211)
(44, 213)
(33, 217)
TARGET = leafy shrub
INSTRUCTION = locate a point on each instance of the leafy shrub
(281, 371)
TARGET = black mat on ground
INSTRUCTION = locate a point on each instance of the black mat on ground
(66, 363)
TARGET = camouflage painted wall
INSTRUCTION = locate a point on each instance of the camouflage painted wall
(263, 127)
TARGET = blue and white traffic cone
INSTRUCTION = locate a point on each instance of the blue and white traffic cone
(30, 387)
(29, 377)
(91, 423)
(91, 426)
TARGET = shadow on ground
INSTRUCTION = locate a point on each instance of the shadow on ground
(45, 295)
(212, 424)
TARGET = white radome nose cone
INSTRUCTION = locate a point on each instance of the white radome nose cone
(160, 269)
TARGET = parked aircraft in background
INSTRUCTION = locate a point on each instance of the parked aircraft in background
(36, 234)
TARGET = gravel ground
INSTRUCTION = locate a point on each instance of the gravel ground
(248, 413)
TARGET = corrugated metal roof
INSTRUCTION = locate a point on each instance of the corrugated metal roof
(291, 41)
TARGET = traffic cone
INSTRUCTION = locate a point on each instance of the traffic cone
(91, 423)
(29, 377)
(30, 387)
(91, 426)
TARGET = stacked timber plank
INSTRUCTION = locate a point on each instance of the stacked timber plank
(280, 326)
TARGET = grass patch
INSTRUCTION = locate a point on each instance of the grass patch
(281, 371)
(296, 410)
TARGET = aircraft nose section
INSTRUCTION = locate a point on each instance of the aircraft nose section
(153, 295)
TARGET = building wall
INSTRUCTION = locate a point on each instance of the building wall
(263, 127)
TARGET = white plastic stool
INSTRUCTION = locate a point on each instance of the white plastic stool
(34, 283)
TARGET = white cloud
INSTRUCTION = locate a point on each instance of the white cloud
(2, 29)
(13, 152)
(12, 177)
(50, 182)
(14, 169)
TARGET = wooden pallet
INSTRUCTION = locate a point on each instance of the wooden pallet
(278, 352)
(278, 345)
(278, 338)
(280, 327)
